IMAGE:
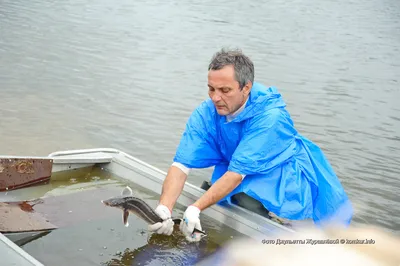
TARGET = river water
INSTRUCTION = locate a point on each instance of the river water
(127, 74)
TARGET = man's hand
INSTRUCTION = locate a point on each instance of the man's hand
(190, 221)
(167, 226)
(172, 187)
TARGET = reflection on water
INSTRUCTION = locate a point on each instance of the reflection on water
(80, 246)
(165, 250)
(126, 74)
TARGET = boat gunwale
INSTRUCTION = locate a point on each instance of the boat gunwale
(189, 193)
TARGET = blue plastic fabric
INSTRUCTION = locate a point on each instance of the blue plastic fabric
(285, 171)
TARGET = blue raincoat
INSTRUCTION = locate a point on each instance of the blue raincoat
(285, 171)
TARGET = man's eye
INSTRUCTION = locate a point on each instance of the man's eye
(225, 90)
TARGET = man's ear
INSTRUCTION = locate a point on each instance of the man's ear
(247, 88)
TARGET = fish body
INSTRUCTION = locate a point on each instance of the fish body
(129, 204)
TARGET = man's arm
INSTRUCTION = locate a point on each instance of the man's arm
(225, 185)
(172, 187)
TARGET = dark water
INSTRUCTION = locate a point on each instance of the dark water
(89, 233)
(108, 242)
(126, 74)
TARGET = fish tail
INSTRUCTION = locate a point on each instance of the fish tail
(177, 221)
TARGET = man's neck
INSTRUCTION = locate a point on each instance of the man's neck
(230, 117)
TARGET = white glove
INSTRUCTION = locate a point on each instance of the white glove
(167, 226)
(190, 221)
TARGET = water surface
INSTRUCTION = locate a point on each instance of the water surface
(127, 74)
(90, 233)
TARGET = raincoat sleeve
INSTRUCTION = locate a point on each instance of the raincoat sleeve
(197, 148)
(266, 143)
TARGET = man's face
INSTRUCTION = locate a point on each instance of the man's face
(224, 90)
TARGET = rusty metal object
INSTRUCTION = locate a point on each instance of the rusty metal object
(23, 172)
(13, 219)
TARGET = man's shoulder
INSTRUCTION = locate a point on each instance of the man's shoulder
(265, 103)
(268, 118)
(269, 115)
(207, 105)
(203, 114)
(205, 108)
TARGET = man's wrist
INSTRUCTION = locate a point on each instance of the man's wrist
(196, 205)
(166, 206)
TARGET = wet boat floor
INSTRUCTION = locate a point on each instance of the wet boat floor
(89, 233)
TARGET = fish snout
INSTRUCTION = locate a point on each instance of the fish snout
(105, 202)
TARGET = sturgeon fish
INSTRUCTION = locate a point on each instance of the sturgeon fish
(129, 204)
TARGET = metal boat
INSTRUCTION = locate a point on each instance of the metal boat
(127, 168)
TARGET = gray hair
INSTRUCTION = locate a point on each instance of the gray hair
(244, 67)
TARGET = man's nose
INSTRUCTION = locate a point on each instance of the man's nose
(215, 97)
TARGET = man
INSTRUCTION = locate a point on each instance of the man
(246, 133)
